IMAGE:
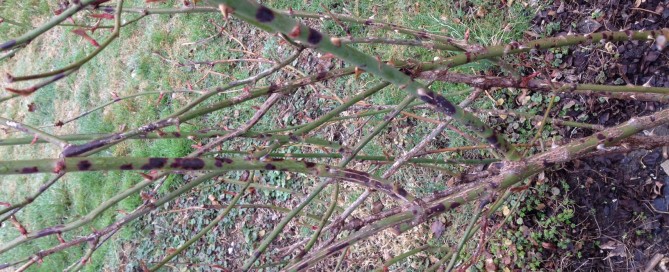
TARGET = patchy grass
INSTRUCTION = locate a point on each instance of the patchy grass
(156, 54)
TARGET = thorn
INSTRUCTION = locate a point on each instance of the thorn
(647, 84)
(225, 10)
(295, 32)
(146, 177)
(358, 72)
(661, 42)
(336, 41)
(24, 92)
(60, 238)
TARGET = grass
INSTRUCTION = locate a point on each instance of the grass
(131, 65)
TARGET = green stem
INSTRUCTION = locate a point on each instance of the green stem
(78, 64)
(236, 83)
(348, 158)
(515, 173)
(30, 35)
(303, 131)
(516, 48)
(204, 231)
(36, 132)
(102, 143)
(378, 158)
(13, 209)
(270, 20)
(10, 97)
(463, 240)
(117, 100)
(403, 256)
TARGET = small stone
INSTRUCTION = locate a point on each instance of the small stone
(652, 56)
(665, 166)
(588, 26)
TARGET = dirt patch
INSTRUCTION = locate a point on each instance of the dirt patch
(620, 200)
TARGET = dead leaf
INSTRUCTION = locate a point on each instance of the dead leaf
(82, 32)
(617, 249)
(506, 211)
(105, 16)
(437, 228)
(213, 200)
(377, 207)
(548, 245)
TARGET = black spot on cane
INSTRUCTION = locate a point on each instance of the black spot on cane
(309, 164)
(29, 170)
(322, 75)
(192, 164)
(264, 15)
(422, 35)
(402, 192)
(629, 34)
(74, 150)
(445, 105)
(469, 56)
(270, 166)
(652, 118)
(293, 137)
(455, 205)
(351, 176)
(437, 208)
(406, 71)
(272, 88)
(126, 167)
(492, 139)
(176, 134)
(154, 163)
(338, 247)
(84, 165)
(8, 44)
(369, 22)
(600, 136)
(314, 37)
